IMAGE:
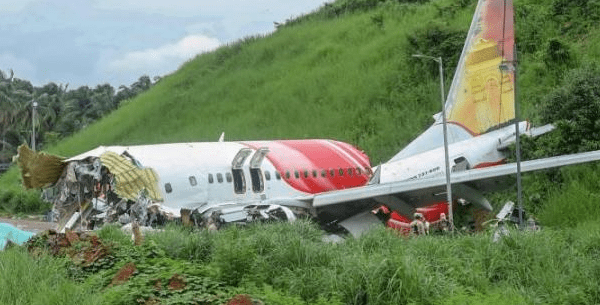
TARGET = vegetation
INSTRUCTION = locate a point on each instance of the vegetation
(283, 263)
(60, 112)
(345, 72)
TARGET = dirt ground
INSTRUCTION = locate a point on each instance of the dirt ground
(31, 225)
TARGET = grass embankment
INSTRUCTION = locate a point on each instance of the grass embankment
(289, 264)
(349, 76)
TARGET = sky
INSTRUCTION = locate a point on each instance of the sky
(92, 42)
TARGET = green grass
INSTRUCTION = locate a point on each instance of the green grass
(283, 263)
(39, 280)
(349, 78)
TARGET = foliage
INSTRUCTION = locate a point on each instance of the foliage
(60, 112)
(574, 107)
(39, 280)
(15, 201)
(436, 40)
(350, 77)
(287, 263)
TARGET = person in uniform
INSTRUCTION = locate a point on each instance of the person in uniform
(418, 225)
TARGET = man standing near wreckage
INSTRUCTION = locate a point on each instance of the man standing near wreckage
(419, 226)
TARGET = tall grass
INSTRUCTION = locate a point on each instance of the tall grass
(38, 280)
(348, 77)
(290, 260)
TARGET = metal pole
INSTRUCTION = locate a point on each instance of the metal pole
(518, 145)
(33, 125)
(446, 154)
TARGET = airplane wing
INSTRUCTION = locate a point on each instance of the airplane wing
(406, 196)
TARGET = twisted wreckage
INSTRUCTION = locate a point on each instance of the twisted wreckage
(88, 192)
(211, 183)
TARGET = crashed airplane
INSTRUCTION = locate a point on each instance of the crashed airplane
(215, 183)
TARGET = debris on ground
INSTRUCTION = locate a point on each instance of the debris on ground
(244, 299)
(176, 282)
(124, 274)
(83, 248)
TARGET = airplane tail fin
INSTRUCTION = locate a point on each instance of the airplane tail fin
(481, 97)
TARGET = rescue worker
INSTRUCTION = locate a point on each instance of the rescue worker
(442, 225)
(418, 225)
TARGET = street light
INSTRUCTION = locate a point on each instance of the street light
(35, 104)
(446, 155)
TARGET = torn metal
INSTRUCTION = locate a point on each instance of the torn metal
(89, 192)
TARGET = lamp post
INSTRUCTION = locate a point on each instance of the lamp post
(446, 155)
(35, 104)
(511, 67)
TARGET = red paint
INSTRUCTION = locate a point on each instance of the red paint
(402, 222)
(399, 222)
(498, 21)
(488, 164)
(463, 127)
(310, 155)
(432, 212)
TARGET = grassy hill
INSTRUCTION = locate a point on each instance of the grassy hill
(345, 72)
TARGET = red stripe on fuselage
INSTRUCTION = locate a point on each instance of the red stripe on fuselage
(306, 156)
(488, 164)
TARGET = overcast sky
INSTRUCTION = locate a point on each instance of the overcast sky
(90, 42)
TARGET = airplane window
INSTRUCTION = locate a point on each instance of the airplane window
(193, 181)
(314, 173)
(267, 175)
(324, 173)
(305, 174)
(287, 174)
(332, 172)
(168, 187)
(220, 177)
(341, 172)
(277, 175)
(358, 171)
(296, 174)
(228, 177)
(210, 178)
(349, 171)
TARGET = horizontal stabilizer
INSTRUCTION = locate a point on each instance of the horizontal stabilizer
(531, 132)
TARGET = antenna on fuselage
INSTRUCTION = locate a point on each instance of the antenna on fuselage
(222, 137)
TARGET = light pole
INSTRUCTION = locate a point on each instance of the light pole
(511, 67)
(446, 155)
(35, 104)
